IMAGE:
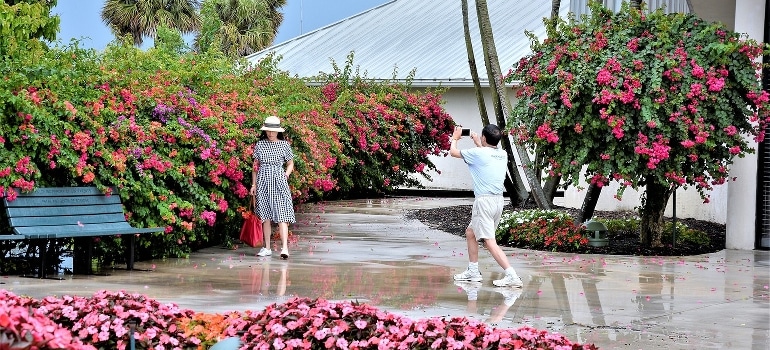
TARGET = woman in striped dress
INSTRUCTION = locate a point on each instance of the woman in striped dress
(273, 163)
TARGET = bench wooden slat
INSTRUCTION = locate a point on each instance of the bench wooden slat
(11, 237)
(69, 210)
(37, 201)
(62, 220)
(108, 229)
(64, 192)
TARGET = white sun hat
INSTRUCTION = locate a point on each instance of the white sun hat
(272, 123)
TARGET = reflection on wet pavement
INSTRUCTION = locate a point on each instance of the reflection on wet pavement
(365, 250)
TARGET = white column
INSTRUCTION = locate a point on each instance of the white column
(742, 194)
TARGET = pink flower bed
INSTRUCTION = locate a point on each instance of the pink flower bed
(104, 321)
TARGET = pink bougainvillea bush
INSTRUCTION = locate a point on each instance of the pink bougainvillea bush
(172, 135)
(655, 100)
(388, 131)
(104, 321)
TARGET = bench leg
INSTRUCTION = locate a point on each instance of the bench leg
(130, 252)
(130, 257)
(42, 253)
(82, 256)
(32, 249)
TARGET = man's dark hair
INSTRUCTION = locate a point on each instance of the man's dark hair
(492, 133)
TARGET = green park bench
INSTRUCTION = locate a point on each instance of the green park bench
(81, 213)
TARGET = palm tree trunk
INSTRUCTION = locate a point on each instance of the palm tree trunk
(552, 184)
(555, 5)
(550, 188)
(514, 194)
(589, 204)
(503, 106)
(472, 65)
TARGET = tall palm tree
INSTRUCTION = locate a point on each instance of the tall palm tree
(503, 105)
(514, 186)
(552, 183)
(472, 64)
(555, 5)
(140, 18)
(239, 27)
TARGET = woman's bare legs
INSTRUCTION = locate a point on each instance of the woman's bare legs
(267, 227)
(283, 230)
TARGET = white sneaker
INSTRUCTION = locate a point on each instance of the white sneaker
(284, 253)
(265, 252)
(510, 280)
(468, 275)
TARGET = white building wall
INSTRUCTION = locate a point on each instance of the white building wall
(688, 202)
(742, 200)
(461, 104)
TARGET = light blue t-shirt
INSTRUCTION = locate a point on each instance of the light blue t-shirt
(488, 167)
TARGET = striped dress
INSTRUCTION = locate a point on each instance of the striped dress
(273, 195)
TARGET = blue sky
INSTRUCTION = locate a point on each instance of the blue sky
(81, 19)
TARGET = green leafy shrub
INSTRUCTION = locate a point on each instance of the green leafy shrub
(540, 229)
(555, 230)
(618, 225)
(684, 234)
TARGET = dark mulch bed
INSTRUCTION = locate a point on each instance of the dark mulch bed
(455, 219)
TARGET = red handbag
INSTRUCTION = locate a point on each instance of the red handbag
(251, 232)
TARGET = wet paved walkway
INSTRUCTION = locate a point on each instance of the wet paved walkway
(365, 250)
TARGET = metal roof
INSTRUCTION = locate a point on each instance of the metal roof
(421, 35)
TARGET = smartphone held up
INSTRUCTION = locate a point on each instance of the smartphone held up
(466, 132)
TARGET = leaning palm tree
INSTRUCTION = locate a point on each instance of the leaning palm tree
(239, 27)
(140, 18)
(552, 183)
(514, 185)
(502, 104)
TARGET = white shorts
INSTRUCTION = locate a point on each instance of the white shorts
(486, 216)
